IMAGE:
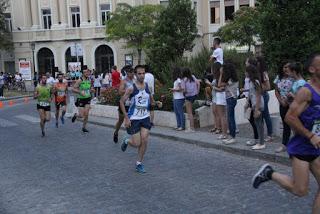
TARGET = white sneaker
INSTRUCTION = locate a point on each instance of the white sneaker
(258, 147)
(268, 139)
(222, 137)
(251, 143)
(230, 141)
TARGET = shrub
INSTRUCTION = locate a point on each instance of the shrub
(110, 96)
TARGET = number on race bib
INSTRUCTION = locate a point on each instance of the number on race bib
(44, 103)
(316, 127)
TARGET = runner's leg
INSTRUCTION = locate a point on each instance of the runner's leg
(57, 114)
(315, 169)
(144, 133)
(85, 115)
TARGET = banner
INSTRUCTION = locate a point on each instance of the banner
(74, 66)
(25, 69)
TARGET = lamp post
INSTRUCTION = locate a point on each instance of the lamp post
(33, 47)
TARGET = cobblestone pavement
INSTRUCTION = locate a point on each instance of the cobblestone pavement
(71, 172)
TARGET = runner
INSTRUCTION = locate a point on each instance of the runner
(60, 91)
(124, 85)
(84, 89)
(304, 117)
(43, 93)
(137, 121)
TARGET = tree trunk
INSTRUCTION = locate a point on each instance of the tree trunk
(139, 56)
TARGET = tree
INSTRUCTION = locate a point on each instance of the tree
(242, 30)
(289, 29)
(133, 24)
(174, 33)
(5, 35)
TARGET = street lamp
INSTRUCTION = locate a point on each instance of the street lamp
(33, 47)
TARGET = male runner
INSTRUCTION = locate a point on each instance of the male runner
(60, 90)
(43, 94)
(304, 117)
(137, 121)
(83, 88)
(124, 85)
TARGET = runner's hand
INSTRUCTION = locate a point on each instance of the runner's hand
(315, 141)
(127, 122)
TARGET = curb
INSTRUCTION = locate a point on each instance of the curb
(243, 152)
(15, 98)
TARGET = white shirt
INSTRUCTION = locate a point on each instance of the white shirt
(218, 54)
(50, 81)
(149, 79)
(97, 82)
(177, 95)
(17, 77)
(106, 79)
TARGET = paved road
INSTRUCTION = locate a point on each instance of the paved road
(71, 172)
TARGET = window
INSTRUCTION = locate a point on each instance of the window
(8, 22)
(214, 12)
(244, 3)
(75, 16)
(105, 13)
(46, 18)
(229, 9)
(164, 2)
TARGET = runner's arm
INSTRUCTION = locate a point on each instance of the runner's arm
(75, 87)
(122, 89)
(123, 99)
(300, 103)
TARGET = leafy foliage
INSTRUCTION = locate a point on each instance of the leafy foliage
(5, 35)
(243, 29)
(133, 24)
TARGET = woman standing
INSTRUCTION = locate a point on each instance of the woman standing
(191, 90)
(229, 81)
(178, 99)
(283, 83)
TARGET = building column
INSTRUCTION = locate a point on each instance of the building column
(251, 3)
(113, 5)
(27, 14)
(54, 14)
(63, 12)
(222, 12)
(236, 5)
(35, 14)
(93, 12)
(84, 13)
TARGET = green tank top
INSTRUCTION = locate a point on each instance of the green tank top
(44, 95)
(85, 87)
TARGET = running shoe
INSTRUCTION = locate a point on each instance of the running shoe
(264, 174)
(251, 143)
(124, 144)
(140, 168)
(74, 118)
(85, 130)
(62, 120)
(115, 137)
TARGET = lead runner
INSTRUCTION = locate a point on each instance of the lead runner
(137, 120)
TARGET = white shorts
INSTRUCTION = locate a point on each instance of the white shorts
(221, 98)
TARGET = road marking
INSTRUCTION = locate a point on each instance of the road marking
(28, 118)
(6, 123)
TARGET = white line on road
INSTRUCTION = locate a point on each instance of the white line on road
(6, 123)
(28, 118)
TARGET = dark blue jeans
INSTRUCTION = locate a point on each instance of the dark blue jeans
(231, 104)
(266, 114)
(178, 110)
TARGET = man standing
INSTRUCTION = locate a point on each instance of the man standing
(84, 89)
(124, 85)
(304, 148)
(115, 77)
(217, 55)
(60, 91)
(43, 94)
(137, 121)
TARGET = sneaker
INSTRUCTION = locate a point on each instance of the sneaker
(222, 137)
(74, 118)
(124, 144)
(263, 175)
(251, 143)
(85, 130)
(140, 168)
(268, 139)
(180, 129)
(229, 141)
(62, 120)
(258, 146)
(115, 137)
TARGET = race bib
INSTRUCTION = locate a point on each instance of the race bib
(44, 104)
(61, 93)
(316, 127)
(141, 111)
(87, 92)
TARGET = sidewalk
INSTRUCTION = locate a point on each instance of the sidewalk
(204, 138)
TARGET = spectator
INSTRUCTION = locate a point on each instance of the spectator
(295, 70)
(191, 90)
(115, 76)
(106, 79)
(50, 79)
(97, 85)
(178, 99)
(208, 78)
(217, 55)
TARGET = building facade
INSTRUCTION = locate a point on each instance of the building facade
(53, 33)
